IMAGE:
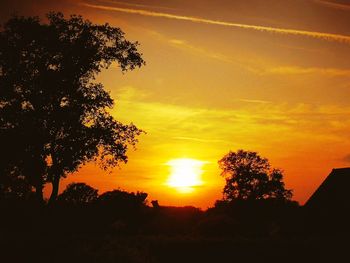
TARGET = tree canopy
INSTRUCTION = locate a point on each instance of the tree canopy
(78, 194)
(122, 199)
(54, 116)
(251, 177)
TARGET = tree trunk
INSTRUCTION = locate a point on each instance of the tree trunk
(39, 194)
(55, 188)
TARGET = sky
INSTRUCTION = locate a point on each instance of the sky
(269, 76)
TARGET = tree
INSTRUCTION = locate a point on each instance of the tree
(54, 116)
(119, 199)
(15, 188)
(78, 194)
(250, 177)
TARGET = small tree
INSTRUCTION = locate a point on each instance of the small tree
(78, 194)
(54, 117)
(123, 199)
(250, 177)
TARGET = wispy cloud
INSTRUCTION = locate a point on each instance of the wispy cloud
(243, 61)
(346, 158)
(242, 123)
(288, 70)
(196, 139)
(254, 101)
(136, 5)
(199, 50)
(256, 67)
(333, 5)
(313, 34)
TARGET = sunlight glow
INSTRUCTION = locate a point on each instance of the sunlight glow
(185, 174)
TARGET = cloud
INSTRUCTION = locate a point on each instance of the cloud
(259, 68)
(313, 34)
(254, 101)
(333, 5)
(177, 42)
(246, 64)
(201, 51)
(248, 123)
(196, 139)
(347, 158)
(307, 70)
(136, 5)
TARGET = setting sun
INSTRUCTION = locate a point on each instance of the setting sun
(185, 174)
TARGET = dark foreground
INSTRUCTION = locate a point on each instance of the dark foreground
(142, 249)
(165, 234)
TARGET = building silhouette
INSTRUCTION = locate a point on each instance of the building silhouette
(328, 209)
(333, 193)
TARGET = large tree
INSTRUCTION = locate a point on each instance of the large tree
(251, 177)
(54, 116)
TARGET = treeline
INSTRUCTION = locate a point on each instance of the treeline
(119, 226)
(255, 203)
(79, 208)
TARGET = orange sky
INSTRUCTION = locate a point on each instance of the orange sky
(269, 76)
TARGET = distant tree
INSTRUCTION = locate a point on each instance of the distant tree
(155, 204)
(129, 207)
(78, 194)
(54, 117)
(123, 199)
(250, 177)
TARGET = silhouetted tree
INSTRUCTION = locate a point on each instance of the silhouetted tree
(122, 205)
(122, 199)
(250, 177)
(15, 187)
(53, 116)
(155, 204)
(78, 194)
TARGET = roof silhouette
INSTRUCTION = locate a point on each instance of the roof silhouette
(333, 193)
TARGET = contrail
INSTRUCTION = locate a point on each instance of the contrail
(135, 5)
(320, 35)
(334, 5)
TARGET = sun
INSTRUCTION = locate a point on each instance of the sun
(185, 174)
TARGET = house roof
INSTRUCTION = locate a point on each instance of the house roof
(333, 193)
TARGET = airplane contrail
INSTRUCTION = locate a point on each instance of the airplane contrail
(334, 5)
(135, 5)
(320, 35)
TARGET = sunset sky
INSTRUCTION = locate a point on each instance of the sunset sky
(271, 76)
